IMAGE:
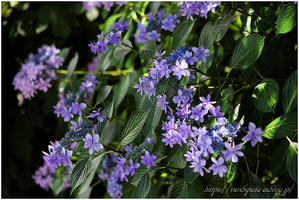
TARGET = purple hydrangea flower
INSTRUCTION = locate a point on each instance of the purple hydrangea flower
(44, 176)
(206, 103)
(128, 148)
(232, 152)
(148, 160)
(97, 115)
(218, 167)
(114, 38)
(169, 22)
(65, 156)
(198, 113)
(254, 135)
(92, 67)
(180, 69)
(149, 140)
(199, 166)
(132, 167)
(92, 143)
(200, 54)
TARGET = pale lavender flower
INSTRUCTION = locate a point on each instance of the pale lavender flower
(128, 148)
(198, 131)
(92, 143)
(200, 54)
(198, 113)
(199, 166)
(232, 152)
(180, 69)
(65, 156)
(218, 167)
(114, 38)
(254, 135)
(77, 108)
(148, 160)
(169, 22)
(206, 103)
(149, 140)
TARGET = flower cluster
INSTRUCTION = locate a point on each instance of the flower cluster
(110, 173)
(93, 66)
(156, 23)
(201, 8)
(72, 104)
(89, 5)
(38, 71)
(46, 174)
(58, 155)
(127, 165)
(113, 37)
(177, 64)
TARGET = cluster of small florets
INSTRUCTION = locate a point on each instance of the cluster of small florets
(46, 174)
(156, 23)
(89, 5)
(177, 64)
(38, 71)
(110, 173)
(127, 164)
(113, 37)
(72, 104)
(201, 8)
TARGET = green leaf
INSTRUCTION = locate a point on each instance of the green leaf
(72, 65)
(84, 188)
(133, 127)
(265, 95)
(140, 172)
(184, 192)
(57, 185)
(65, 52)
(281, 126)
(181, 33)
(214, 31)
(247, 51)
(105, 61)
(177, 160)
(292, 161)
(289, 93)
(177, 188)
(121, 91)
(189, 175)
(122, 50)
(279, 165)
(165, 85)
(153, 117)
(148, 50)
(143, 187)
(103, 94)
(286, 19)
(80, 172)
(231, 173)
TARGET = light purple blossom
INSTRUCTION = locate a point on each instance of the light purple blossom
(92, 143)
(198, 113)
(65, 156)
(254, 135)
(180, 69)
(114, 38)
(162, 102)
(149, 140)
(218, 167)
(148, 160)
(206, 103)
(131, 168)
(232, 152)
(199, 166)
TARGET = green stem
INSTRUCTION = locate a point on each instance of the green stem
(258, 161)
(96, 183)
(258, 73)
(247, 166)
(111, 73)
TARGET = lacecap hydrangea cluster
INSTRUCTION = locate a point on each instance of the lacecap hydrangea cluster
(115, 31)
(81, 129)
(156, 24)
(89, 5)
(38, 71)
(186, 119)
(198, 8)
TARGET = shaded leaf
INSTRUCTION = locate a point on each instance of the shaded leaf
(247, 51)
(122, 50)
(286, 19)
(72, 65)
(281, 126)
(121, 91)
(181, 33)
(133, 127)
(289, 93)
(292, 160)
(265, 95)
(65, 52)
(143, 187)
(103, 93)
(105, 61)
(148, 50)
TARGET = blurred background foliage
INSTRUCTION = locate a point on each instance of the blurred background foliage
(28, 126)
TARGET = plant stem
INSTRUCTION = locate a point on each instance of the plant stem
(96, 183)
(258, 161)
(111, 73)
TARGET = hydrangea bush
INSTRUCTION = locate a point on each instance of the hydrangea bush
(185, 128)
